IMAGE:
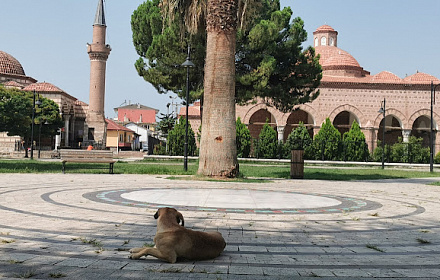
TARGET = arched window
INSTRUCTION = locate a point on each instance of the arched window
(316, 42)
(323, 41)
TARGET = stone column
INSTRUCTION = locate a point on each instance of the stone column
(280, 130)
(66, 130)
(405, 134)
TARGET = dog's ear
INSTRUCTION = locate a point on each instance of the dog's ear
(179, 217)
(156, 215)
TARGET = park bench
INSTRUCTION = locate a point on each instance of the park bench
(84, 156)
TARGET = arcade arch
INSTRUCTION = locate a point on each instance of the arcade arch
(393, 130)
(344, 120)
(421, 129)
(258, 119)
(295, 118)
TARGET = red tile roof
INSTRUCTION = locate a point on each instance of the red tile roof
(324, 28)
(43, 87)
(112, 125)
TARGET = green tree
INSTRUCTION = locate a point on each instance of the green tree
(355, 146)
(16, 114)
(176, 139)
(326, 143)
(298, 139)
(243, 137)
(166, 123)
(268, 51)
(221, 19)
(267, 142)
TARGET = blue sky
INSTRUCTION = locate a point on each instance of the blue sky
(49, 38)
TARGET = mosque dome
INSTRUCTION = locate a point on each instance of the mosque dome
(335, 61)
(421, 78)
(10, 65)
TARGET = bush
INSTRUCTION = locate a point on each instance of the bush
(243, 139)
(326, 143)
(176, 139)
(159, 149)
(298, 139)
(267, 143)
(411, 152)
(355, 147)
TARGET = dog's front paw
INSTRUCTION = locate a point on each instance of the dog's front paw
(134, 256)
(135, 250)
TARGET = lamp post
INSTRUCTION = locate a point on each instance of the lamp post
(187, 64)
(38, 102)
(382, 110)
(431, 134)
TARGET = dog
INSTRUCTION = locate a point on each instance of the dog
(174, 241)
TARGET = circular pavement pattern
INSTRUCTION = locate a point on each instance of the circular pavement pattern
(236, 201)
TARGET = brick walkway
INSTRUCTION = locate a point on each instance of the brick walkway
(80, 226)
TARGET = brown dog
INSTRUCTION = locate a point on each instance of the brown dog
(173, 240)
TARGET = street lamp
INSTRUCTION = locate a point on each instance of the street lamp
(38, 102)
(431, 135)
(382, 110)
(187, 64)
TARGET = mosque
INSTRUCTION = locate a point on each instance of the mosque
(350, 93)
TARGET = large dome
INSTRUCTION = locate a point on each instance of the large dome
(10, 65)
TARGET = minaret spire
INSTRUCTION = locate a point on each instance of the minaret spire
(100, 16)
(95, 129)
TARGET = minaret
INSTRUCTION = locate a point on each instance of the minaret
(96, 127)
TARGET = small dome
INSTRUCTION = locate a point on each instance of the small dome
(43, 87)
(421, 78)
(10, 65)
(385, 77)
(325, 28)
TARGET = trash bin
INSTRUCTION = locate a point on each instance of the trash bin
(297, 164)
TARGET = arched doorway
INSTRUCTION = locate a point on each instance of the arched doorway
(293, 121)
(393, 130)
(258, 119)
(343, 121)
(421, 129)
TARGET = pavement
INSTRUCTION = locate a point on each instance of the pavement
(80, 226)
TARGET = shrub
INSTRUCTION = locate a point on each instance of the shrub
(176, 139)
(267, 143)
(355, 146)
(243, 139)
(326, 143)
(298, 139)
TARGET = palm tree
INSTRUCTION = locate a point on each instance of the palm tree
(218, 154)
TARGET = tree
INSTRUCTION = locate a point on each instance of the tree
(166, 123)
(16, 114)
(326, 143)
(267, 142)
(220, 19)
(268, 51)
(243, 137)
(176, 139)
(410, 152)
(355, 147)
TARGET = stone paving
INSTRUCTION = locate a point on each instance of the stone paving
(78, 226)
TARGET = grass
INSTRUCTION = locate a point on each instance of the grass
(249, 170)
(374, 247)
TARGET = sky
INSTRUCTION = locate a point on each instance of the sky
(49, 39)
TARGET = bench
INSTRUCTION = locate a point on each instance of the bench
(84, 156)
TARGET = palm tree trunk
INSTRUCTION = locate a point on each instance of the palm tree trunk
(218, 151)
